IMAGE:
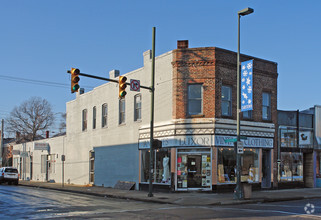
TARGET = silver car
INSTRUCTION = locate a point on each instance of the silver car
(9, 175)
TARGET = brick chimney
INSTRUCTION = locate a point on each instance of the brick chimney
(182, 44)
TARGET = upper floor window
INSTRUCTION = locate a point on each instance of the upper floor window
(138, 107)
(195, 99)
(94, 117)
(266, 106)
(84, 119)
(121, 111)
(226, 104)
(247, 114)
(104, 114)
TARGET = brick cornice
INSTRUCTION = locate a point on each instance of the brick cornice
(193, 63)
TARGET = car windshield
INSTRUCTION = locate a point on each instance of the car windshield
(11, 170)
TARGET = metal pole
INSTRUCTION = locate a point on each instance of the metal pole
(238, 190)
(150, 188)
(1, 147)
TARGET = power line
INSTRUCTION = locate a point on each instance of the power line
(38, 82)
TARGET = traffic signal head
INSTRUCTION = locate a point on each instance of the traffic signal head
(74, 79)
(122, 87)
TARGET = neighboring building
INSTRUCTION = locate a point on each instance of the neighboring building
(107, 139)
(316, 111)
(295, 150)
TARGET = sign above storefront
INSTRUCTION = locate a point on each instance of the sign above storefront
(249, 142)
(207, 141)
(181, 141)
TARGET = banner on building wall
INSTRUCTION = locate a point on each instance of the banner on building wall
(247, 85)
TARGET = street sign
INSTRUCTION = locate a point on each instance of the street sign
(240, 148)
(134, 85)
(230, 140)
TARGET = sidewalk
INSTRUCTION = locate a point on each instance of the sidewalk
(183, 198)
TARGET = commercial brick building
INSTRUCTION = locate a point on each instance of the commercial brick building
(107, 139)
(204, 115)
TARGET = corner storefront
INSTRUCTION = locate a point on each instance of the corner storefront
(205, 162)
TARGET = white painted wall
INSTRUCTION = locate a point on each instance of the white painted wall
(77, 143)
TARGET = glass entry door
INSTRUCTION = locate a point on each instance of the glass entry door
(194, 169)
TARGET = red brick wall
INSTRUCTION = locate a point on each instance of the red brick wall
(214, 67)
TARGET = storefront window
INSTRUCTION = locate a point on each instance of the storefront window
(288, 137)
(226, 165)
(161, 166)
(291, 166)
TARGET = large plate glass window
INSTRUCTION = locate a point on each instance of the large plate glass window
(291, 166)
(161, 166)
(226, 165)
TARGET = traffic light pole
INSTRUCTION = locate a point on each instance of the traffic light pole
(106, 79)
(152, 87)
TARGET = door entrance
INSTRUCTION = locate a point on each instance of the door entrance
(194, 166)
(194, 169)
(266, 169)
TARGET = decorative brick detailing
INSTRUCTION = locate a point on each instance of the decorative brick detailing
(192, 63)
(244, 133)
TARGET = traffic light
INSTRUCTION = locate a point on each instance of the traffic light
(74, 79)
(157, 144)
(122, 87)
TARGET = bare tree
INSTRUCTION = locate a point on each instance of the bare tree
(62, 124)
(31, 116)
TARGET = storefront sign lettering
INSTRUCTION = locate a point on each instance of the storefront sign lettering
(180, 141)
(249, 142)
(207, 140)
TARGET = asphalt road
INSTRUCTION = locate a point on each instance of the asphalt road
(18, 202)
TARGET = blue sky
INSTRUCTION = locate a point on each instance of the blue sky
(41, 40)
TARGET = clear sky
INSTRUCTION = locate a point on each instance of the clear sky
(40, 40)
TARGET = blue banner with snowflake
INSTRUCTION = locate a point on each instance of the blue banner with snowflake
(247, 85)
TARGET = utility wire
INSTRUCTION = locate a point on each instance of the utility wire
(38, 82)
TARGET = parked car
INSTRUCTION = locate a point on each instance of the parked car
(9, 175)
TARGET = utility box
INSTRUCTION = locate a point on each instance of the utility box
(247, 190)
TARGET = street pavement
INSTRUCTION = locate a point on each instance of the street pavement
(183, 198)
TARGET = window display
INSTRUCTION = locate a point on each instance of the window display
(288, 137)
(226, 165)
(161, 168)
(291, 166)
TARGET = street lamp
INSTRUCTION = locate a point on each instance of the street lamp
(238, 191)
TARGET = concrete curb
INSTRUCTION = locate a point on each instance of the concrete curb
(102, 195)
(163, 201)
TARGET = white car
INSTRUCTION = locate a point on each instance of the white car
(9, 175)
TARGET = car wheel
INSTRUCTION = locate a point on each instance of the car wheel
(16, 182)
